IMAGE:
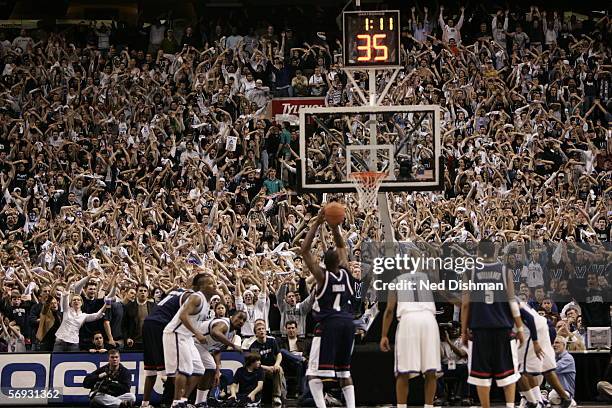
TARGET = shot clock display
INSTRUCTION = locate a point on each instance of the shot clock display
(371, 38)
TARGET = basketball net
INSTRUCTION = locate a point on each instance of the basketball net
(367, 184)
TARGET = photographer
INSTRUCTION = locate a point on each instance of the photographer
(110, 384)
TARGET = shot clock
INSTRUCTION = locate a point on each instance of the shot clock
(371, 38)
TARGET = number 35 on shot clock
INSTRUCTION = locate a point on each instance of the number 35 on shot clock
(371, 38)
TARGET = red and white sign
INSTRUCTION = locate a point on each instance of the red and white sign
(288, 109)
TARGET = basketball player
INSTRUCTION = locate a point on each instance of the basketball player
(489, 314)
(537, 356)
(332, 346)
(417, 340)
(181, 358)
(218, 335)
(152, 334)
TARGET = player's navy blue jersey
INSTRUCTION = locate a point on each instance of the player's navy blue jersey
(334, 298)
(165, 310)
(489, 308)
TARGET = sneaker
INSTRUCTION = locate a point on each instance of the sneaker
(201, 405)
(523, 402)
(277, 402)
(439, 402)
(467, 402)
(332, 401)
(568, 403)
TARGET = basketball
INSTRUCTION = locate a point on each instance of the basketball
(334, 213)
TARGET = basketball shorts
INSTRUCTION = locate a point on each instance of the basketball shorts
(181, 355)
(331, 350)
(492, 354)
(152, 334)
(417, 344)
(207, 358)
(549, 363)
(529, 362)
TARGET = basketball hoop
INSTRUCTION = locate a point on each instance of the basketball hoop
(367, 184)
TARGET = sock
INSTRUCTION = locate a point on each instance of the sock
(428, 406)
(201, 396)
(402, 405)
(349, 396)
(530, 396)
(183, 399)
(144, 404)
(537, 393)
(509, 404)
(316, 389)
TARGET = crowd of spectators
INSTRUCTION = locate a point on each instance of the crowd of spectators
(125, 170)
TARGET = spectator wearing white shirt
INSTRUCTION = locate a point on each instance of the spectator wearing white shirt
(260, 95)
(450, 30)
(22, 41)
(499, 29)
(533, 273)
(255, 310)
(317, 83)
(67, 336)
(551, 29)
(156, 36)
(233, 40)
(189, 153)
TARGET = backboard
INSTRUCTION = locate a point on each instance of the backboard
(336, 141)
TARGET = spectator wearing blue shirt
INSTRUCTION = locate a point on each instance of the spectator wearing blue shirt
(271, 358)
(248, 380)
(566, 370)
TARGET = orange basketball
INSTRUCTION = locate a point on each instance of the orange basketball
(334, 213)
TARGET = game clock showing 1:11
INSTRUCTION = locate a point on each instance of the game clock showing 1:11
(371, 38)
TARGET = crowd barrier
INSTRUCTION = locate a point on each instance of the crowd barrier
(57, 379)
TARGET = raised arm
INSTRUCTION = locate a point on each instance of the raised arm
(309, 259)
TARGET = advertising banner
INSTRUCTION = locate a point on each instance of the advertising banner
(288, 109)
(52, 379)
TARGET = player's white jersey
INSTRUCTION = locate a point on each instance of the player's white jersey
(540, 322)
(420, 298)
(196, 320)
(211, 344)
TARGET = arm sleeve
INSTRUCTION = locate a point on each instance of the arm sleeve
(303, 288)
(280, 297)
(262, 303)
(92, 378)
(239, 303)
(90, 317)
(566, 364)
(460, 23)
(306, 304)
(65, 303)
(441, 21)
(78, 287)
(125, 380)
(33, 316)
